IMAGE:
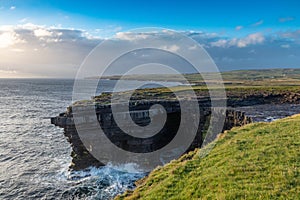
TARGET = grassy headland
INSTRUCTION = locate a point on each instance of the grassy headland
(257, 161)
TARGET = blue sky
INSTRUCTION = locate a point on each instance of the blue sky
(179, 15)
(34, 34)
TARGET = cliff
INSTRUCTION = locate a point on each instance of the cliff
(140, 115)
(141, 101)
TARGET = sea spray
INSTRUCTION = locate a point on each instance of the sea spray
(103, 182)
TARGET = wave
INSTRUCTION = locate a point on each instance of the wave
(103, 182)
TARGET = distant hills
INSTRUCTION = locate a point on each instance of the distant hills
(230, 77)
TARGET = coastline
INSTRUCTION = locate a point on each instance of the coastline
(242, 97)
(255, 99)
(237, 98)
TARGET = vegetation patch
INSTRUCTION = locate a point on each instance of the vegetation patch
(256, 161)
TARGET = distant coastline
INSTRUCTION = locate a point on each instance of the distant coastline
(229, 77)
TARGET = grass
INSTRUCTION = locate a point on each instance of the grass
(232, 92)
(256, 161)
(238, 84)
(235, 77)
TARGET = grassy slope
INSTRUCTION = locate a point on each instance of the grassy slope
(245, 77)
(257, 161)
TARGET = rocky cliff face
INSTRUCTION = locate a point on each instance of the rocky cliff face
(139, 112)
(250, 98)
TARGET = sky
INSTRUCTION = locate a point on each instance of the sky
(51, 38)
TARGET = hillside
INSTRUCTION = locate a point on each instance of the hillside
(256, 161)
(279, 76)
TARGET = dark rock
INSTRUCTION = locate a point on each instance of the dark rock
(140, 114)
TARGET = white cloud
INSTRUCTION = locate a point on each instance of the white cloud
(23, 20)
(9, 38)
(12, 8)
(130, 36)
(238, 28)
(172, 48)
(286, 46)
(89, 36)
(292, 35)
(286, 19)
(42, 33)
(23, 32)
(255, 38)
(220, 43)
(260, 22)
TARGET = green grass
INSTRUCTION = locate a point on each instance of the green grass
(238, 84)
(233, 92)
(256, 161)
(236, 77)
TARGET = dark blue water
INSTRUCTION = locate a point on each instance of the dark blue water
(35, 155)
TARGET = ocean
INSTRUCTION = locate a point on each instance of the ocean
(35, 155)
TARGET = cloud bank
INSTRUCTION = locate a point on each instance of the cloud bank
(30, 50)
